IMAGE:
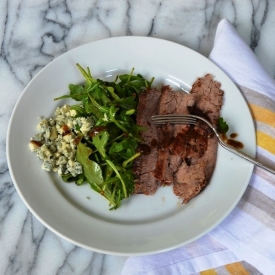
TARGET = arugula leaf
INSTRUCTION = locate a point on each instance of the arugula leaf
(131, 85)
(111, 90)
(126, 103)
(100, 142)
(125, 163)
(222, 126)
(128, 178)
(92, 170)
(76, 92)
(91, 108)
(114, 167)
(87, 75)
(93, 173)
(126, 148)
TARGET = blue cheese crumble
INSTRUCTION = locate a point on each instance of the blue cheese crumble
(55, 143)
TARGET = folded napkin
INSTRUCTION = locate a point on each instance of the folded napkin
(244, 243)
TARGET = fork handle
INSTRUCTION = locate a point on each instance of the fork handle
(246, 157)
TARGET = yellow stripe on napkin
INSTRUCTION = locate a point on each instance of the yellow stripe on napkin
(236, 268)
(209, 272)
(265, 141)
(265, 116)
(262, 114)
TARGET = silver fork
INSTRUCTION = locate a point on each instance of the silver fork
(192, 119)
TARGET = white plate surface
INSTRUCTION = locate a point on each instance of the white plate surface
(142, 225)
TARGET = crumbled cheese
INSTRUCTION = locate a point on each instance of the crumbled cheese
(48, 165)
(73, 113)
(74, 167)
(86, 125)
(55, 144)
(43, 125)
(33, 146)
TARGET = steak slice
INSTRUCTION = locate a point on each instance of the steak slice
(200, 158)
(163, 171)
(144, 165)
(209, 98)
(200, 144)
(171, 102)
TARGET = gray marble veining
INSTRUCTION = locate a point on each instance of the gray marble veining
(33, 33)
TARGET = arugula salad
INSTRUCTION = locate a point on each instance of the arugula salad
(95, 140)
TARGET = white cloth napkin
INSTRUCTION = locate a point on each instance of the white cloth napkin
(237, 60)
(248, 233)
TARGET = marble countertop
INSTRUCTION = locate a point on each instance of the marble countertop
(33, 33)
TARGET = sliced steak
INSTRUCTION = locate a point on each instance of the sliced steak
(163, 171)
(182, 155)
(168, 161)
(196, 169)
(200, 144)
(209, 98)
(144, 165)
(175, 102)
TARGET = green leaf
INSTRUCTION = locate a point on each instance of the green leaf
(130, 159)
(99, 93)
(87, 75)
(79, 110)
(128, 178)
(112, 111)
(111, 90)
(90, 108)
(80, 180)
(62, 97)
(130, 112)
(77, 92)
(119, 176)
(126, 148)
(111, 180)
(222, 126)
(102, 109)
(92, 170)
(68, 177)
(100, 142)
(126, 103)
(112, 114)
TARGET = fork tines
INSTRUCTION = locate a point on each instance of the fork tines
(177, 119)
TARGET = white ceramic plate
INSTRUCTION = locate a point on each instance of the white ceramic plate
(142, 225)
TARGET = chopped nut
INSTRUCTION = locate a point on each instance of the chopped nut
(34, 145)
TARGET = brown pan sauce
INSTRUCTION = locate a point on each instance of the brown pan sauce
(232, 141)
